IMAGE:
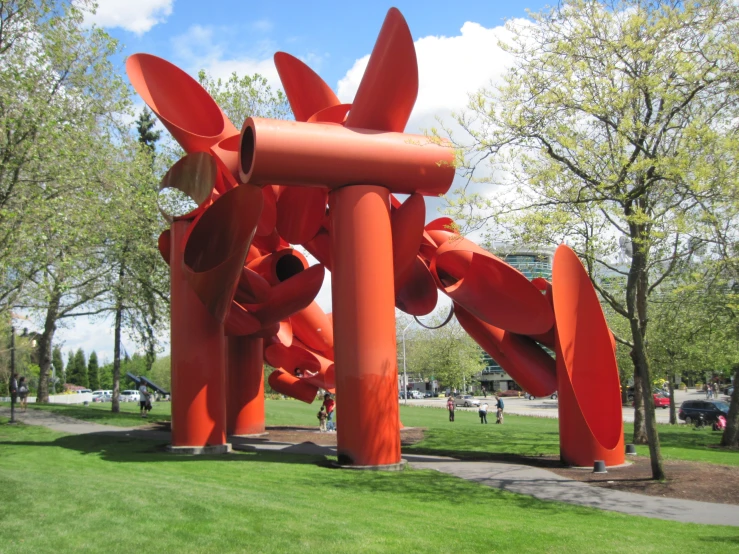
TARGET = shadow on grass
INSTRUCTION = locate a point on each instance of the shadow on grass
(126, 449)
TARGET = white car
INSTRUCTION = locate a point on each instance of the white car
(102, 395)
(129, 396)
(466, 401)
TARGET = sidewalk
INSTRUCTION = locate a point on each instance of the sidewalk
(520, 479)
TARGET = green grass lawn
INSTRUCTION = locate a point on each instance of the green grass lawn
(465, 438)
(62, 493)
(99, 412)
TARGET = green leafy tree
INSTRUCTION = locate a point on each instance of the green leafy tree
(93, 371)
(148, 137)
(609, 124)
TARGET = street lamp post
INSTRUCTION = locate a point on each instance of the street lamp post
(12, 374)
(405, 378)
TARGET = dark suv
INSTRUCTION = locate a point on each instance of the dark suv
(710, 409)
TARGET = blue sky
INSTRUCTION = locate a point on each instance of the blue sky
(456, 46)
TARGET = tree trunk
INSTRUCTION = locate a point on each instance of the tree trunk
(636, 303)
(116, 406)
(640, 428)
(731, 433)
(44, 346)
(673, 413)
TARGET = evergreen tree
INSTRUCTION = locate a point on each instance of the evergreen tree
(78, 374)
(70, 368)
(93, 371)
(145, 127)
(57, 361)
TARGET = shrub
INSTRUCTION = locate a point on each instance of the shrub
(699, 386)
(682, 386)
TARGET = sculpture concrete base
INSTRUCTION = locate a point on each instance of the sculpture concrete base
(400, 466)
(200, 450)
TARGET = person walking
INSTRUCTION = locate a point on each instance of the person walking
(144, 400)
(500, 406)
(13, 388)
(330, 405)
(23, 393)
(483, 412)
(450, 407)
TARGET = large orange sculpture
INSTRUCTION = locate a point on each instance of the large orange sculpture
(241, 294)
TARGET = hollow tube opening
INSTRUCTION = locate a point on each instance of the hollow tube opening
(247, 150)
(288, 266)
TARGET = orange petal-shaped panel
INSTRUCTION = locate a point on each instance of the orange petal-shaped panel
(164, 244)
(285, 334)
(252, 288)
(284, 383)
(268, 332)
(183, 106)
(194, 175)
(418, 296)
(492, 290)
(407, 224)
(305, 90)
(290, 296)
(587, 354)
(313, 327)
(428, 247)
(216, 247)
(323, 155)
(291, 358)
(279, 266)
(239, 322)
(389, 87)
(271, 242)
(525, 361)
(300, 212)
(320, 248)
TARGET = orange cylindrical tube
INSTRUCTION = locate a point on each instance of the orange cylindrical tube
(333, 156)
(198, 359)
(364, 326)
(245, 377)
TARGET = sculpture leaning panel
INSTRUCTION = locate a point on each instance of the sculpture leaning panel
(241, 294)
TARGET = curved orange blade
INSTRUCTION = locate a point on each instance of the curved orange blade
(492, 290)
(164, 244)
(178, 100)
(587, 353)
(216, 247)
(252, 288)
(418, 296)
(284, 383)
(305, 90)
(313, 328)
(279, 266)
(526, 362)
(332, 114)
(320, 248)
(407, 225)
(300, 212)
(290, 296)
(389, 87)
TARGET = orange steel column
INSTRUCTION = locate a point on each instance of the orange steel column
(364, 326)
(198, 360)
(245, 386)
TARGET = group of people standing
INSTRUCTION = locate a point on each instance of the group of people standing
(711, 390)
(482, 411)
(19, 391)
(326, 414)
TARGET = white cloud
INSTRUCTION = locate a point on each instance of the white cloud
(209, 48)
(137, 16)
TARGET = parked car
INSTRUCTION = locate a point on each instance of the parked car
(510, 392)
(129, 396)
(466, 401)
(728, 391)
(710, 409)
(429, 395)
(660, 400)
(528, 396)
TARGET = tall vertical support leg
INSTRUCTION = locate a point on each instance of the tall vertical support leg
(364, 326)
(245, 386)
(198, 362)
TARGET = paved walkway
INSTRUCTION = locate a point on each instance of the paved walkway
(520, 479)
